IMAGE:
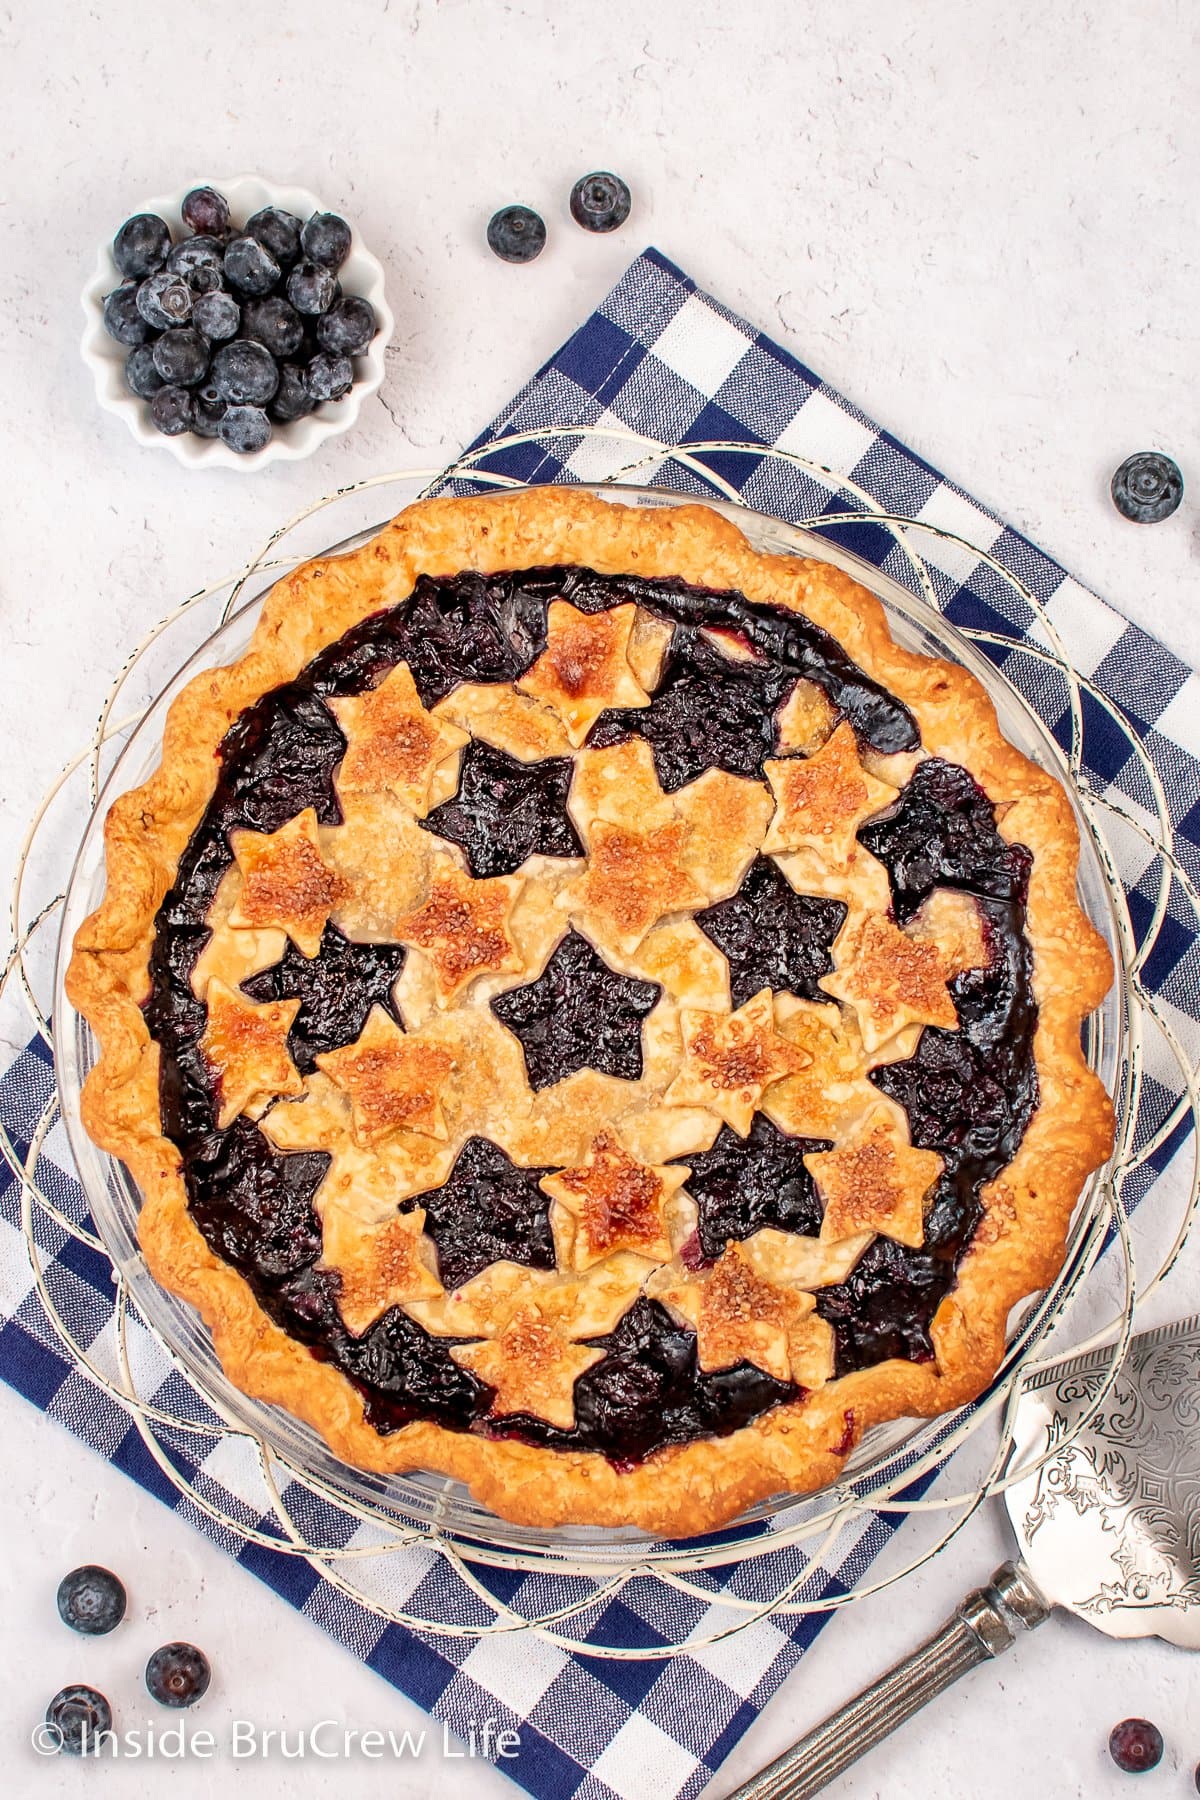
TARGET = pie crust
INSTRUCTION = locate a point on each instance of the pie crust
(394, 1108)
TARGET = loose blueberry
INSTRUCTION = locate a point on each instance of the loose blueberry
(274, 324)
(181, 356)
(600, 202)
(171, 410)
(348, 327)
(199, 261)
(517, 234)
(208, 411)
(1135, 1745)
(245, 373)
(278, 232)
(122, 320)
(141, 376)
(249, 267)
(244, 428)
(206, 211)
(1147, 487)
(178, 1675)
(326, 240)
(217, 315)
(329, 377)
(79, 1717)
(141, 245)
(311, 289)
(91, 1600)
(292, 398)
(165, 299)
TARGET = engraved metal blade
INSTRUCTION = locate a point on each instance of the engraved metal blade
(1109, 1527)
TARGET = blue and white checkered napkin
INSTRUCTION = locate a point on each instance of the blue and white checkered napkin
(661, 358)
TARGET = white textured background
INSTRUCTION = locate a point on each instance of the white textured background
(977, 220)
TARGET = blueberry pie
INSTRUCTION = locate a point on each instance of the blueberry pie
(590, 1015)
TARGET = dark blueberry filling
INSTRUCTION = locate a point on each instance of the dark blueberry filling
(969, 1094)
(489, 1210)
(743, 1184)
(506, 810)
(578, 1014)
(772, 936)
(650, 1391)
(337, 989)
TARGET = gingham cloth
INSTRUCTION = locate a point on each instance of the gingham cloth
(661, 358)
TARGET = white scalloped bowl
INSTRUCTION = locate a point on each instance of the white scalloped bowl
(361, 274)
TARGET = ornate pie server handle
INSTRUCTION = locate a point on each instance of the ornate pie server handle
(983, 1626)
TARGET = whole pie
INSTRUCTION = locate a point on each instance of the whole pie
(589, 1014)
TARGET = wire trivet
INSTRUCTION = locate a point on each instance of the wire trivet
(813, 1554)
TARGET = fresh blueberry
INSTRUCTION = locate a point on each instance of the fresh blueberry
(329, 377)
(278, 232)
(292, 398)
(325, 239)
(245, 373)
(208, 411)
(91, 1599)
(1147, 487)
(122, 320)
(172, 411)
(274, 324)
(198, 260)
(181, 356)
(165, 299)
(600, 202)
(312, 289)
(141, 376)
(244, 428)
(141, 245)
(348, 327)
(217, 315)
(206, 211)
(249, 267)
(78, 1718)
(517, 234)
(1135, 1745)
(178, 1674)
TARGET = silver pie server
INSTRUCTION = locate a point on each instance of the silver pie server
(1108, 1527)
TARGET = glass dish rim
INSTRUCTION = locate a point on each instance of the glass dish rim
(442, 1506)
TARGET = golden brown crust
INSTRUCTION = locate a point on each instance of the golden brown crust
(794, 1448)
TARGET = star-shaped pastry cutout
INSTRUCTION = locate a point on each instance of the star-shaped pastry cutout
(506, 810)
(336, 989)
(392, 1079)
(821, 800)
(488, 1210)
(393, 744)
(247, 1046)
(772, 936)
(380, 1266)
(585, 666)
(633, 879)
(875, 1182)
(730, 1058)
(578, 1014)
(736, 1314)
(743, 1184)
(285, 881)
(709, 710)
(463, 928)
(890, 979)
(530, 1367)
(617, 1202)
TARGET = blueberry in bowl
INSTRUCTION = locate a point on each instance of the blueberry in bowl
(235, 323)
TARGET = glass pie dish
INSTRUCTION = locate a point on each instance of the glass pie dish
(115, 1199)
